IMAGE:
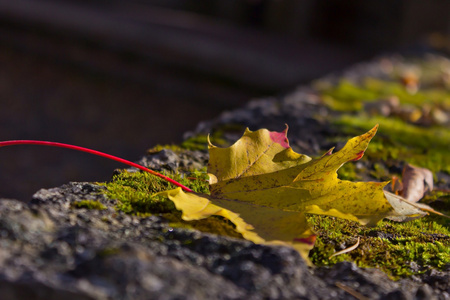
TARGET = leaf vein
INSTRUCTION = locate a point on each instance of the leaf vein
(250, 164)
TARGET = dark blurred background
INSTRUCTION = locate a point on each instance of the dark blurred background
(122, 76)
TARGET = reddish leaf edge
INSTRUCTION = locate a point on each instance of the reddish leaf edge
(95, 152)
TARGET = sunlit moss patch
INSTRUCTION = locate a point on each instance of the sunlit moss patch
(134, 193)
(398, 249)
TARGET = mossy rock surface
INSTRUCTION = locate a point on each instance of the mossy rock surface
(408, 98)
(399, 249)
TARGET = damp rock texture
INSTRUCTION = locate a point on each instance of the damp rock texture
(50, 249)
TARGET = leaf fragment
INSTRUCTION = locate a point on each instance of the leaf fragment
(406, 210)
(403, 210)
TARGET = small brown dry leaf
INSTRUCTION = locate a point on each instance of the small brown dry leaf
(416, 183)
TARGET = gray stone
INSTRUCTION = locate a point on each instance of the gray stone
(49, 250)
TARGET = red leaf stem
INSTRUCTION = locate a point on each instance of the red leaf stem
(78, 148)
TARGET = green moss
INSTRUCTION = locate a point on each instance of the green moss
(174, 148)
(134, 192)
(398, 140)
(400, 132)
(440, 200)
(89, 204)
(348, 96)
(379, 172)
(198, 142)
(338, 104)
(398, 249)
(382, 88)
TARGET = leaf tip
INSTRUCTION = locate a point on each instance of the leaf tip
(329, 152)
(374, 129)
(310, 240)
(286, 129)
(280, 137)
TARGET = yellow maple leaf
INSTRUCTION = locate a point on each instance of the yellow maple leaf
(261, 180)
